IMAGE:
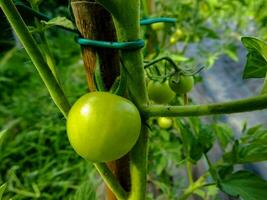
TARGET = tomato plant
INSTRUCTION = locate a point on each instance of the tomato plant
(181, 84)
(102, 127)
(160, 92)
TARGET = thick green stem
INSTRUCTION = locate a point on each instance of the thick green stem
(189, 172)
(111, 181)
(126, 16)
(138, 166)
(237, 106)
(33, 51)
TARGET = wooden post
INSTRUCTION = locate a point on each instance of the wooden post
(94, 22)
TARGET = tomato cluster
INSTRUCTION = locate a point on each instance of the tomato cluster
(164, 92)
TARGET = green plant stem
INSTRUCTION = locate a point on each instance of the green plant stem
(190, 190)
(212, 171)
(189, 172)
(145, 7)
(33, 51)
(237, 106)
(126, 16)
(138, 166)
(111, 181)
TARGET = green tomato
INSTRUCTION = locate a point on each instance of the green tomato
(178, 33)
(102, 126)
(164, 122)
(157, 26)
(159, 92)
(173, 40)
(181, 84)
(176, 36)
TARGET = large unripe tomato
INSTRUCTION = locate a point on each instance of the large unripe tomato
(159, 92)
(102, 126)
(164, 122)
(181, 84)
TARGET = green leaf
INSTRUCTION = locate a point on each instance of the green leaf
(205, 139)
(59, 21)
(179, 58)
(207, 32)
(256, 66)
(2, 190)
(255, 135)
(35, 2)
(224, 134)
(196, 150)
(192, 148)
(252, 147)
(4, 132)
(246, 185)
(252, 153)
(224, 170)
(264, 88)
(231, 52)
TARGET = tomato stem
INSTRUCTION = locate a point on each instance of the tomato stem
(236, 106)
(138, 166)
(126, 16)
(111, 181)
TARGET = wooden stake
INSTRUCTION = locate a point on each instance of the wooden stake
(94, 22)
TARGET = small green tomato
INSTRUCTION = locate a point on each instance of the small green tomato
(164, 122)
(181, 84)
(159, 92)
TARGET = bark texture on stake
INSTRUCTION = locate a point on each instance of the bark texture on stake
(94, 22)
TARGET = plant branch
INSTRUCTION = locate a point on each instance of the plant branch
(111, 181)
(236, 106)
(33, 51)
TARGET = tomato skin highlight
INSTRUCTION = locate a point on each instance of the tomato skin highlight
(181, 84)
(102, 127)
(164, 122)
(159, 92)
